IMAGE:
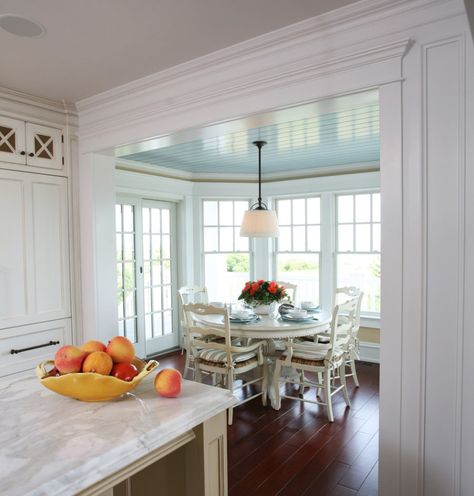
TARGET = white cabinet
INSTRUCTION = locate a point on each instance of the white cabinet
(31, 144)
(34, 251)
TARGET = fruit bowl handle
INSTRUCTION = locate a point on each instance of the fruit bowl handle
(41, 371)
(151, 365)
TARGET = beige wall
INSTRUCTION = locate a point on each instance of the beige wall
(369, 335)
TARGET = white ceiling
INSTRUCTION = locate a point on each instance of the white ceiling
(94, 45)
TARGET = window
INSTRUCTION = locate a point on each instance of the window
(226, 254)
(298, 246)
(126, 280)
(358, 246)
(146, 272)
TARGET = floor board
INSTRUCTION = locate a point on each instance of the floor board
(295, 451)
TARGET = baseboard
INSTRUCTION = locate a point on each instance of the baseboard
(369, 352)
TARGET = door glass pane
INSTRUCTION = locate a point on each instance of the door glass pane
(166, 246)
(156, 298)
(155, 220)
(157, 325)
(146, 220)
(148, 327)
(155, 246)
(118, 218)
(127, 218)
(128, 245)
(167, 323)
(156, 273)
(165, 220)
(166, 271)
(166, 297)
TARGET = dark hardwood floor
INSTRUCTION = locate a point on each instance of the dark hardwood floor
(296, 451)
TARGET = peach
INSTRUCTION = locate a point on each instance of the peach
(121, 349)
(93, 345)
(68, 359)
(168, 383)
(98, 362)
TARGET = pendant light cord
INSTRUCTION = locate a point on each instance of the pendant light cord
(259, 145)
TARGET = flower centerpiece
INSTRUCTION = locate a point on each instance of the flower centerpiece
(262, 295)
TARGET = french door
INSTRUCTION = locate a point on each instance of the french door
(147, 274)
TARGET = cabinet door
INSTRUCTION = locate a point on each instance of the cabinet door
(14, 296)
(49, 250)
(34, 252)
(12, 141)
(44, 146)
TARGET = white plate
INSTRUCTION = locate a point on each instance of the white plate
(288, 318)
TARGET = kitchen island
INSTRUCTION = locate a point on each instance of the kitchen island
(139, 444)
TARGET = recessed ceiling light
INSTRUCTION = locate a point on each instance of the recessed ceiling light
(21, 26)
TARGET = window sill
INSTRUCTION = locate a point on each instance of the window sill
(370, 322)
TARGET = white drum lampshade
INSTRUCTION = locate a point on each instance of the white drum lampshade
(259, 224)
(258, 221)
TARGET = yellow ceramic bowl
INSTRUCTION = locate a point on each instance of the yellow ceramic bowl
(89, 386)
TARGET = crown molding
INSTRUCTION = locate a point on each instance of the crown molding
(202, 177)
(37, 109)
(37, 101)
(312, 28)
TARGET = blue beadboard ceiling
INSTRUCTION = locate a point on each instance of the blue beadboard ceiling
(343, 137)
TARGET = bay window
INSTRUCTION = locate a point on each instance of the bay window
(227, 256)
(358, 246)
(298, 246)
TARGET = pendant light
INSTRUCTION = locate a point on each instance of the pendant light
(259, 222)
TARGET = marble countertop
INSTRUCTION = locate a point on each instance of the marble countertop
(53, 445)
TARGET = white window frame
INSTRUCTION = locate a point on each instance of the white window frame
(276, 252)
(251, 246)
(368, 319)
(328, 245)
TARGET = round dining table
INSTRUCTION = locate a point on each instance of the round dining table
(273, 330)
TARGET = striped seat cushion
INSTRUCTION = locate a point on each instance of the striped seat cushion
(219, 356)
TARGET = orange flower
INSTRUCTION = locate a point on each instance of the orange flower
(273, 287)
(254, 288)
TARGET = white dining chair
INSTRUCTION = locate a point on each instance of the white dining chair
(327, 360)
(189, 294)
(352, 347)
(223, 356)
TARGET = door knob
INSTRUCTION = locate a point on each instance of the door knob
(23, 153)
(31, 154)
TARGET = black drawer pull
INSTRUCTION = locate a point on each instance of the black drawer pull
(51, 343)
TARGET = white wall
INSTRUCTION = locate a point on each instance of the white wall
(420, 54)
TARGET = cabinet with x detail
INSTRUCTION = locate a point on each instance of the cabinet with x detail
(30, 144)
